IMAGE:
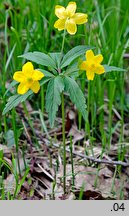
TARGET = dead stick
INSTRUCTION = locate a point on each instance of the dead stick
(101, 161)
(120, 163)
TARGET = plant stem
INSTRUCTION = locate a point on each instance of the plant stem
(63, 42)
(30, 124)
(72, 163)
(42, 99)
(16, 138)
(62, 48)
(64, 145)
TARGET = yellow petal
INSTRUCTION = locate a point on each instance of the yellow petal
(35, 87)
(37, 75)
(100, 69)
(18, 76)
(60, 24)
(71, 8)
(83, 65)
(28, 69)
(89, 55)
(90, 75)
(22, 88)
(98, 58)
(71, 27)
(60, 12)
(80, 18)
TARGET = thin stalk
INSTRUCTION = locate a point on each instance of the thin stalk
(72, 163)
(3, 189)
(64, 144)
(88, 123)
(42, 99)
(81, 192)
(96, 177)
(79, 124)
(63, 122)
(16, 138)
(62, 48)
(113, 181)
(30, 123)
(112, 93)
(53, 190)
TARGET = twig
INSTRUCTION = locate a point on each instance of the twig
(95, 160)
(101, 161)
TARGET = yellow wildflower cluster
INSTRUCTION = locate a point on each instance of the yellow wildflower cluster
(67, 19)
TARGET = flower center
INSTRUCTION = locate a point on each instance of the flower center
(30, 81)
(68, 14)
(92, 65)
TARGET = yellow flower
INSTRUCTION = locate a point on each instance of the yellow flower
(92, 65)
(28, 78)
(68, 19)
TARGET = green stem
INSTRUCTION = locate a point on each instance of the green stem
(63, 42)
(42, 99)
(16, 138)
(72, 163)
(64, 144)
(30, 124)
(62, 48)
(87, 125)
(89, 109)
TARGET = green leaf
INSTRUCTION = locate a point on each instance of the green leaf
(46, 73)
(73, 54)
(11, 85)
(53, 99)
(10, 57)
(76, 95)
(44, 80)
(16, 99)
(72, 70)
(113, 68)
(56, 58)
(40, 58)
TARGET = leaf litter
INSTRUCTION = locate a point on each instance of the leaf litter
(93, 181)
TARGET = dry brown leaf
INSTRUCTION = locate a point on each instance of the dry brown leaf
(10, 184)
(98, 183)
(76, 134)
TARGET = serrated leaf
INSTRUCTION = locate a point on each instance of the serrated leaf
(16, 99)
(44, 80)
(56, 58)
(46, 73)
(11, 85)
(73, 54)
(39, 58)
(72, 70)
(113, 68)
(76, 95)
(53, 99)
